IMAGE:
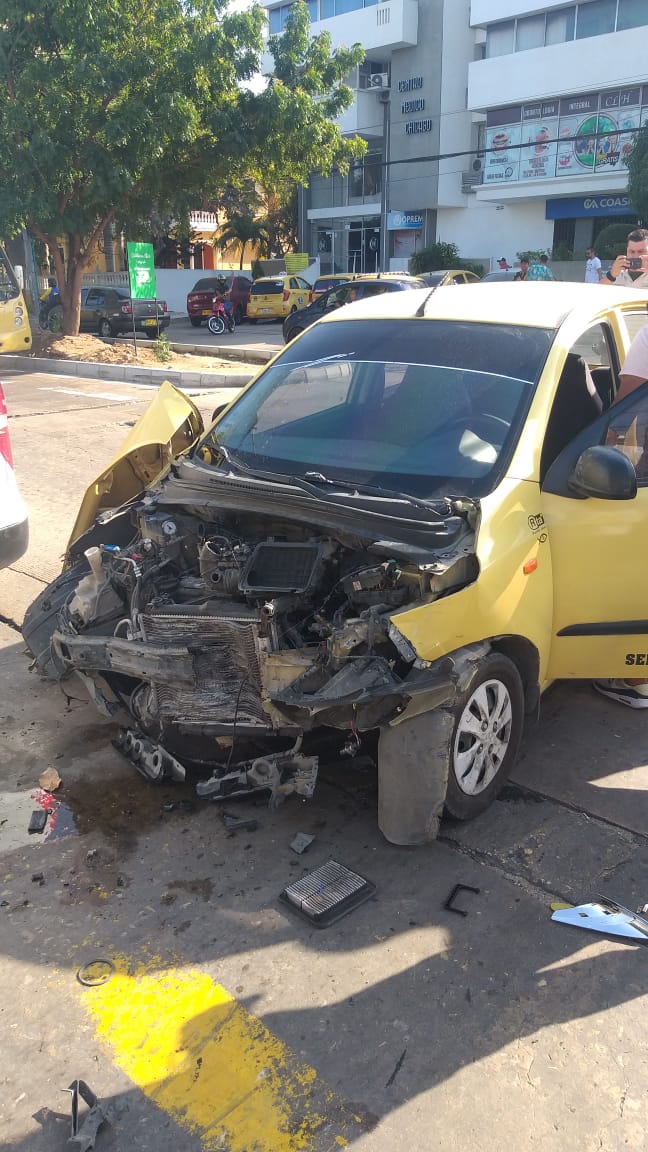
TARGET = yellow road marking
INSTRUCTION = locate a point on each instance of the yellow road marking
(214, 1067)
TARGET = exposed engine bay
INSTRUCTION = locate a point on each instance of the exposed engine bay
(221, 639)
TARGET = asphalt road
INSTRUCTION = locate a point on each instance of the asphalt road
(229, 1023)
(266, 334)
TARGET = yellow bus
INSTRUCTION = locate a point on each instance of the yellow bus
(15, 330)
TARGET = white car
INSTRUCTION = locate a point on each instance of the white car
(14, 528)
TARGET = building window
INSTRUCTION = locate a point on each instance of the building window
(595, 18)
(632, 14)
(560, 26)
(500, 39)
(365, 177)
(530, 33)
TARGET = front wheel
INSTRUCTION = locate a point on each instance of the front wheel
(489, 719)
(216, 325)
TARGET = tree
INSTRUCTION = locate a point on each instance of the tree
(241, 230)
(109, 111)
(638, 176)
(438, 256)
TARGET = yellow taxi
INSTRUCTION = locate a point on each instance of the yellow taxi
(324, 283)
(275, 297)
(447, 276)
(425, 509)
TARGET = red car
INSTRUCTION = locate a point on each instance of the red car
(199, 300)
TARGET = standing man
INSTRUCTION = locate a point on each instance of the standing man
(631, 270)
(523, 271)
(593, 270)
(541, 270)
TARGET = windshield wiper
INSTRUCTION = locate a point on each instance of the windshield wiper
(318, 479)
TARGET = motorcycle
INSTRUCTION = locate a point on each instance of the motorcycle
(222, 317)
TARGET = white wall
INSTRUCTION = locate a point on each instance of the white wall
(486, 232)
(455, 128)
(598, 62)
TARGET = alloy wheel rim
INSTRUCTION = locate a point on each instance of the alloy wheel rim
(483, 736)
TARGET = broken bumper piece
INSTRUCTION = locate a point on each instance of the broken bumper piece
(280, 774)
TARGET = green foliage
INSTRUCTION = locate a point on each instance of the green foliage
(438, 256)
(243, 229)
(257, 269)
(532, 254)
(612, 240)
(638, 176)
(162, 347)
(562, 252)
(110, 111)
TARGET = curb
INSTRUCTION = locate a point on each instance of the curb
(126, 372)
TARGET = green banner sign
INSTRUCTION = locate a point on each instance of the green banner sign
(141, 271)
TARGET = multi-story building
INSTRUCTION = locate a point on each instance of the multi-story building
(562, 89)
(498, 125)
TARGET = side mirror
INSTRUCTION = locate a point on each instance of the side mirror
(604, 473)
(217, 411)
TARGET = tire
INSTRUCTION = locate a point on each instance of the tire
(195, 321)
(152, 333)
(105, 327)
(252, 319)
(239, 314)
(486, 735)
(41, 618)
(216, 325)
(293, 309)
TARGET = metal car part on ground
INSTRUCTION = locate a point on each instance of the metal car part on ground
(415, 518)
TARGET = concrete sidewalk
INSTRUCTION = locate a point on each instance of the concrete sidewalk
(132, 374)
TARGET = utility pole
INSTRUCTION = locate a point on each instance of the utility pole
(384, 186)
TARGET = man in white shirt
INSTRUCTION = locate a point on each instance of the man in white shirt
(593, 270)
(631, 270)
(633, 693)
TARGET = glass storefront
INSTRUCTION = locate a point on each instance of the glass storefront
(350, 245)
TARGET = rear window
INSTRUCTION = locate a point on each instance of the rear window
(266, 287)
(208, 284)
(324, 283)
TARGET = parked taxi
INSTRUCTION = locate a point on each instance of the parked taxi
(274, 297)
(425, 509)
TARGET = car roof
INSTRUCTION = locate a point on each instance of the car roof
(534, 304)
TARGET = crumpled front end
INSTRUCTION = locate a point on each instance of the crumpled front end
(223, 641)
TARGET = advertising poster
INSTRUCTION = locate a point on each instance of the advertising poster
(539, 159)
(577, 135)
(502, 159)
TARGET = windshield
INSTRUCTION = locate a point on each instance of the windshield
(9, 288)
(425, 407)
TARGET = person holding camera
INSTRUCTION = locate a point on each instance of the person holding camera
(631, 270)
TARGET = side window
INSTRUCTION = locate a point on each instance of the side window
(635, 321)
(585, 388)
(338, 298)
(95, 299)
(459, 279)
(628, 431)
(373, 290)
(293, 282)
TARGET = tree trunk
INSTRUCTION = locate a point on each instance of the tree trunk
(72, 307)
(243, 247)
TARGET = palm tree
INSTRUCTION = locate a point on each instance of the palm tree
(243, 229)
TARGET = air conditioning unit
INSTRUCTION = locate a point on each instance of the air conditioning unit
(471, 179)
(379, 80)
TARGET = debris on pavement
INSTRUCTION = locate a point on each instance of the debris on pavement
(38, 820)
(84, 1133)
(607, 916)
(449, 904)
(38, 878)
(95, 972)
(237, 824)
(50, 780)
(301, 842)
(322, 897)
